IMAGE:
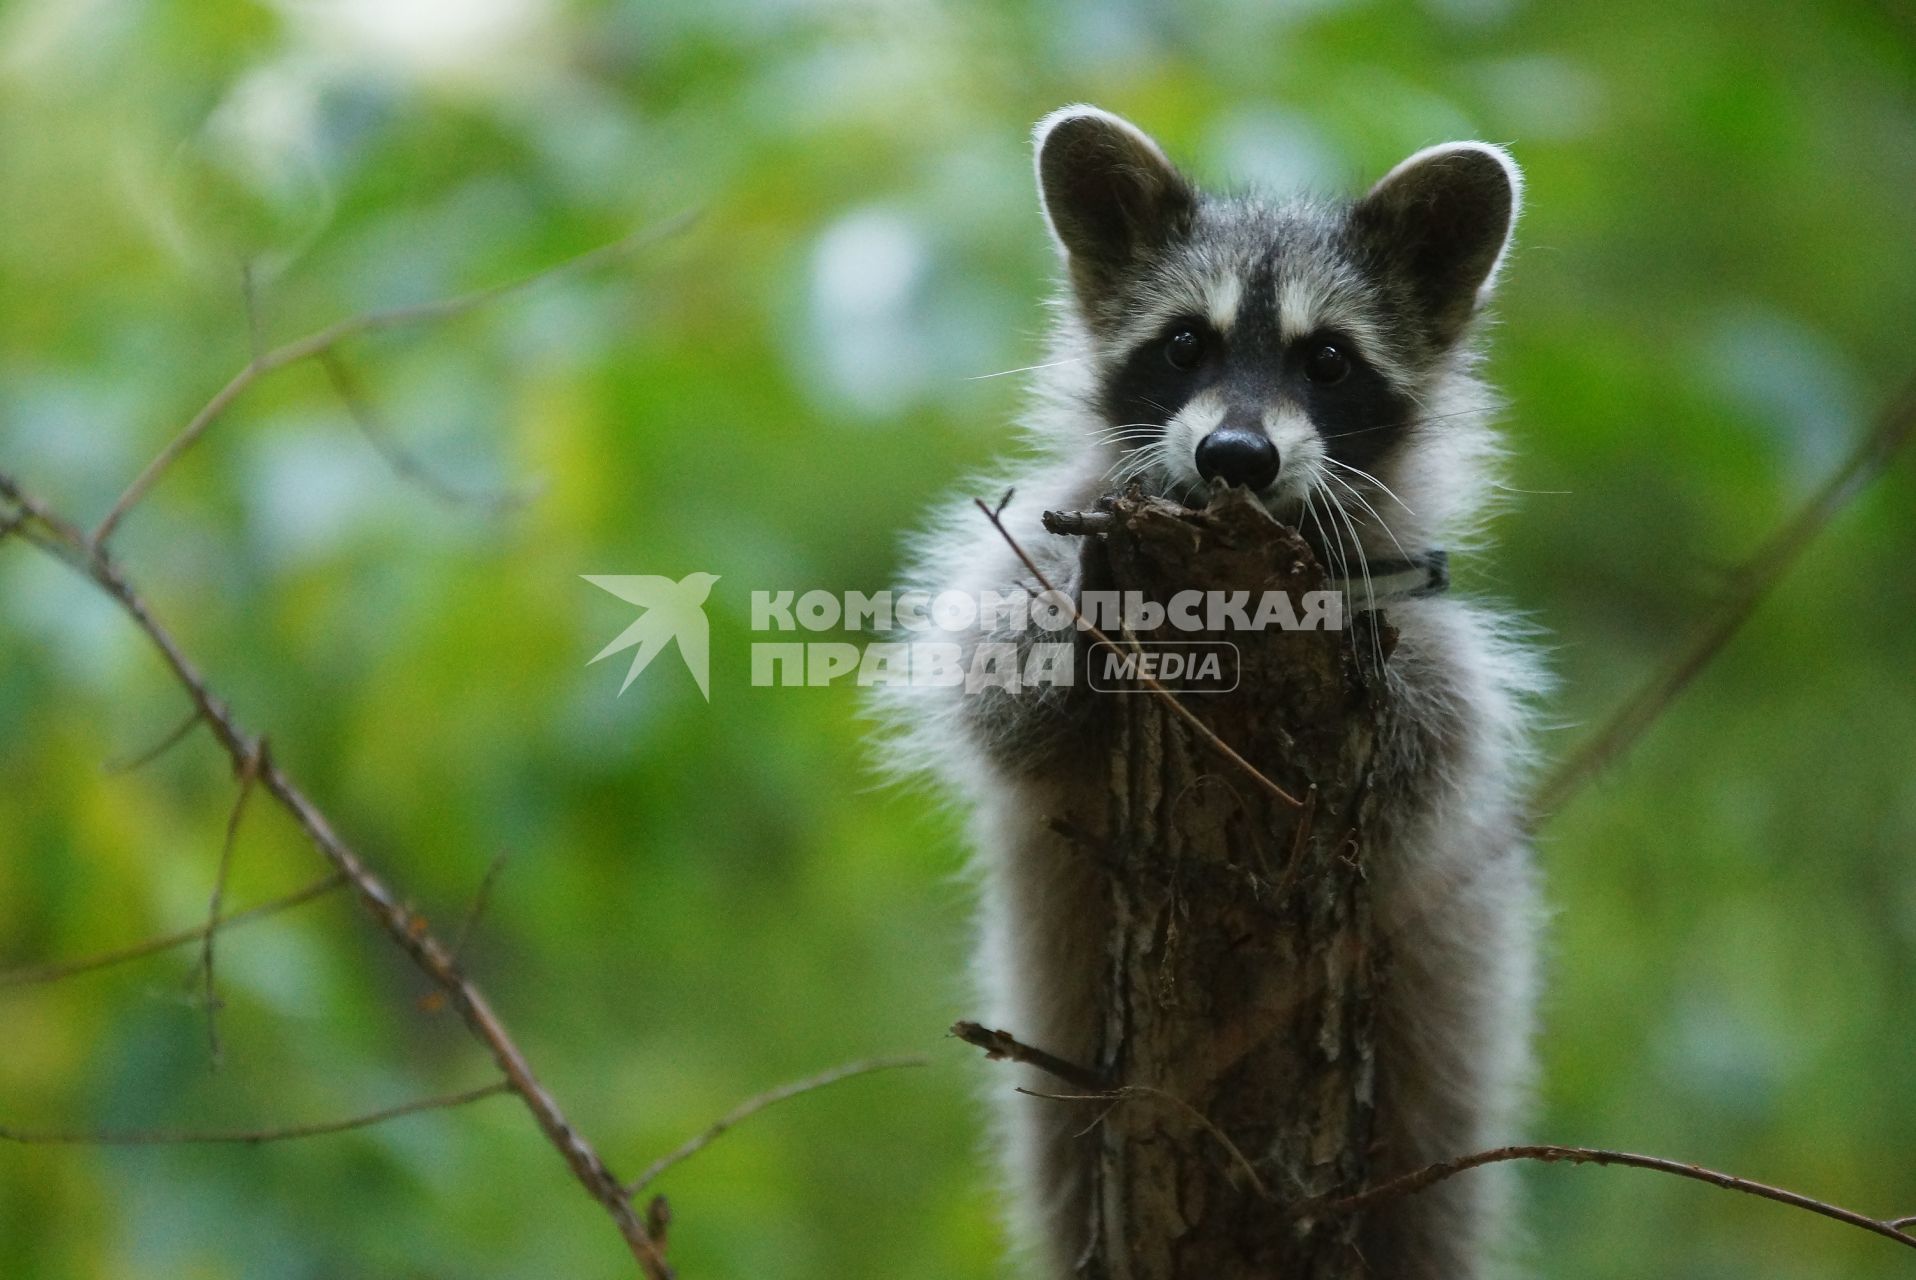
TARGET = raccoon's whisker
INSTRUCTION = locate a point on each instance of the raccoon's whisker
(1375, 517)
(1029, 368)
(1351, 489)
(1331, 538)
(1407, 422)
(1310, 509)
(1127, 439)
(1370, 590)
(1413, 395)
(1151, 459)
(1127, 431)
(1359, 471)
(1332, 544)
(1138, 445)
(1363, 568)
(1333, 557)
(1129, 458)
(1134, 464)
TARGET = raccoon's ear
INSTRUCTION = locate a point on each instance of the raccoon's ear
(1443, 219)
(1109, 192)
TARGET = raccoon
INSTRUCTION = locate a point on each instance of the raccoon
(1320, 354)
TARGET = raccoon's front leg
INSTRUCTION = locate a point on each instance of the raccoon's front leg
(1452, 1056)
(1045, 923)
(1457, 915)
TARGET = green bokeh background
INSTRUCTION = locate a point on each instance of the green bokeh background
(1714, 292)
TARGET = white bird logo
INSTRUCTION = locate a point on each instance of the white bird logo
(673, 611)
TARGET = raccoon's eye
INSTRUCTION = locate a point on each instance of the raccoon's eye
(1184, 348)
(1326, 365)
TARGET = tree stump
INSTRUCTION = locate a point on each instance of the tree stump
(1242, 958)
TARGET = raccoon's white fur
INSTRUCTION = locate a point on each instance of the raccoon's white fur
(1395, 282)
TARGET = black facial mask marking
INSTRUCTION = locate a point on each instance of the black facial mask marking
(1251, 370)
(1360, 417)
(1148, 389)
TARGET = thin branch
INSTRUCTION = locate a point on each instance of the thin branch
(248, 775)
(41, 974)
(403, 463)
(249, 294)
(1002, 1046)
(175, 736)
(250, 1137)
(1749, 586)
(1300, 841)
(752, 1106)
(29, 511)
(1124, 1093)
(1078, 524)
(435, 1000)
(1419, 1179)
(407, 930)
(1170, 699)
(658, 1219)
(366, 322)
(480, 901)
(254, 370)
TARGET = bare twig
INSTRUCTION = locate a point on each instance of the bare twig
(403, 463)
(366, 322)
(1124, 1093)
(1419, 1179)
(29, 511)
(1300, 841)
(175, 736)
(1079, 523)
(41, 974)
(1170, 699)
(1002, 1046)
(249, 294)
(435, 1000)
(1749, 586)
(658, 1218)
(248, 775)
(752, 1106)
(480, 901)
(407, 930)
(249, 1137)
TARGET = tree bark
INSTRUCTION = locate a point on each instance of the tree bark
(1243, 966)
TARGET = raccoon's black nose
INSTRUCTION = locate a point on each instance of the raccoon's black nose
(1238, 455)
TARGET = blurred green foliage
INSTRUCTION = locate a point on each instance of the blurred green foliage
(1714, 290)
